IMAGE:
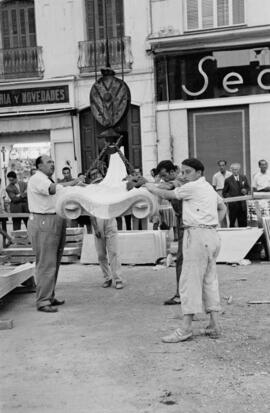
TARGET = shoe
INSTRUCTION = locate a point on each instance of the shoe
(48, 309)
(107, 284)
(118, 285)
(173, 301)
(177, 336)
(213, 333)
(57, 302)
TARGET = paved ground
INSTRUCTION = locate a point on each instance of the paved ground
(102, 352)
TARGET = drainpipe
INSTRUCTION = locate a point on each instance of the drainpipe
(171, 140)
(150, 21)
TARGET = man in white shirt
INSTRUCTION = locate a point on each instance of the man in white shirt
(219, 177)
(202, 209)
(261, 180)
(46, 232)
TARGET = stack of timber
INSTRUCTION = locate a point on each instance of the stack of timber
(21, 251)
(135, 247)
(12, 277)
(73, 247)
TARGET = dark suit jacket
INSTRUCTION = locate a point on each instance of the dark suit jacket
(18, 203)
(233, 188)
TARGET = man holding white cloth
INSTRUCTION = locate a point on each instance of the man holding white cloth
(46, 232)
(202, 210)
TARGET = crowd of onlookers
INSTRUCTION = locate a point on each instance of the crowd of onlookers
(228, 182)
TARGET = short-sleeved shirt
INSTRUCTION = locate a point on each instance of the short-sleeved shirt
(40, 201)
(261, 181)
(200, 203)
(219, 179)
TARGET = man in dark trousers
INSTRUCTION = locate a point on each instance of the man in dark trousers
(17, 192)
(236, 185)
(168, 173)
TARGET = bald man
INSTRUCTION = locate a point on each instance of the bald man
(46, 231)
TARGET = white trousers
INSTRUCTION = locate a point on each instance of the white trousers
(107, 247)
(199, 288)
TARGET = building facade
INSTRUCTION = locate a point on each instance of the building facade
(51, 54)
(212, 80)
(198, 72)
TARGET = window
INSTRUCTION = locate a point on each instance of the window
(208, 14)
(224, 73)
(18, 24)
(96, 18)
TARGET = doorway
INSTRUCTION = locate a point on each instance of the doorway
(129, 127)
(221, 133)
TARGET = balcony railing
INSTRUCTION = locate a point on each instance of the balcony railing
(23, 62)
(119, 51)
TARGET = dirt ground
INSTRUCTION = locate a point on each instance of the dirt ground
(102, 353)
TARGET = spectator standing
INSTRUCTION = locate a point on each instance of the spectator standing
(219, 177)
(236, 185)
(67, 177)
(169, 174)
(17, 192)
(106, 243)
(3, 220)
(261, 180)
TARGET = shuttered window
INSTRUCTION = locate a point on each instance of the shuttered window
(207, 14)
(18, 23)
(96, 18)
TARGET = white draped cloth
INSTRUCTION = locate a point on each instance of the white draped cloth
(108, 199)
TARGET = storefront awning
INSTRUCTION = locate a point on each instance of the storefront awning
(214, 40)
(30, 113)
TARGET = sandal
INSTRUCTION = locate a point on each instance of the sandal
(173, 301)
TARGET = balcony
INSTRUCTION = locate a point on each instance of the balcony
(23, 62)
(87, 62)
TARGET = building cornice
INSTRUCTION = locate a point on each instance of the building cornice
(215, 39)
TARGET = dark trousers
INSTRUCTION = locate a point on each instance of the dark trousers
(179, 256)
(238, 211)
(127, 221)
(47, 235)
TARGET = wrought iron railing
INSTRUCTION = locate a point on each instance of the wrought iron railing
(92, 55)
(21, 62)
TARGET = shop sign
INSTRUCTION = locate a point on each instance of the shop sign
(34, 96)
(229, 82)
(214, 74)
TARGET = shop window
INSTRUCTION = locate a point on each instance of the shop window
(18, 24)
(209, 14)
(96, 13)
(213, 74)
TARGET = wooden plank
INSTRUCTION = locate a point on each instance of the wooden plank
(74, 231)
(72, 251)
(74, 238)
(236, 243)
(21, 259)
(68, 259)
(135, 247)
(13, 277)
(6, 324)
(22, 251)
(259, 302)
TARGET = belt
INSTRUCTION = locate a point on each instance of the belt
(199, 226)
(40, 213)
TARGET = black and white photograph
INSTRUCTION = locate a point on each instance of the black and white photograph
(134, 206)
